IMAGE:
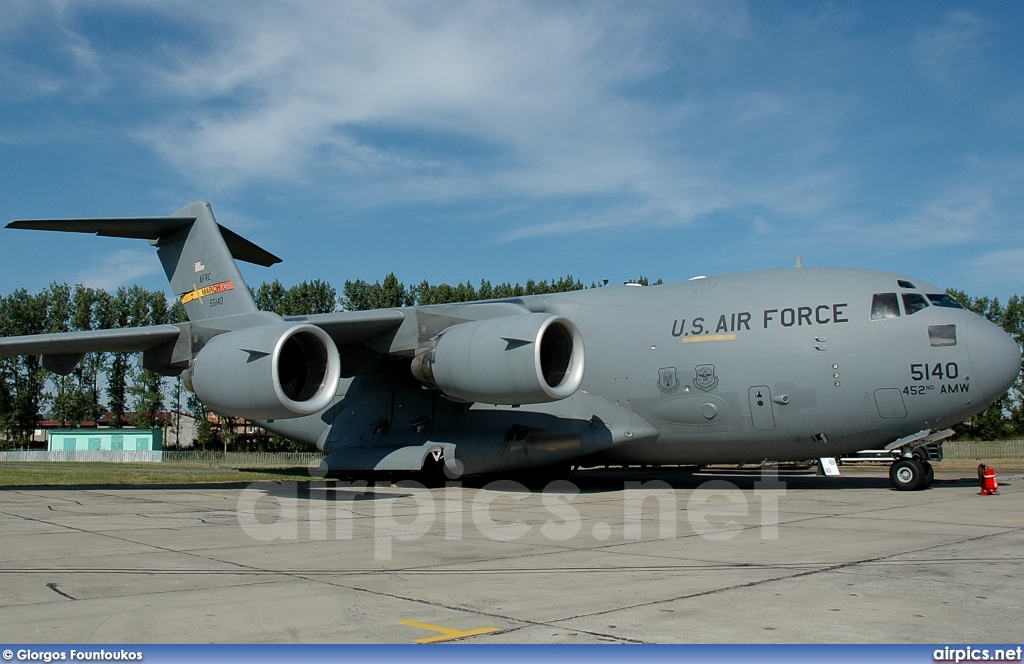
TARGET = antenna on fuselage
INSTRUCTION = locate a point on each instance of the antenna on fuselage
(799, 261)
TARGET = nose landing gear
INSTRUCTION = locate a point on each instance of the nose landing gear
(911, 474)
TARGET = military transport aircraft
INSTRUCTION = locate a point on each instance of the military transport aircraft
(776, 365)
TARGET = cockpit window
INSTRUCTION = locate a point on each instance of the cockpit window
(914, 302)
(944, 300)
(942, 335)
(903, 283)
(884, 306)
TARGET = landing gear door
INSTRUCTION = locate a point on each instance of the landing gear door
(761, 407)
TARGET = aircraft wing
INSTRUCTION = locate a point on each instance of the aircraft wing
(379, 328)
(126, 339)
(346, 327)
(62, 351)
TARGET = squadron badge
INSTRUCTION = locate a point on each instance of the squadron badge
(704, 377)
(668, 381)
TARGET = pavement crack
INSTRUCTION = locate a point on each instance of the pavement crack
(56, 588)
(837, 567)
(488, 614)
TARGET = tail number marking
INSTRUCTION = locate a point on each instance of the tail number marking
(922, 371)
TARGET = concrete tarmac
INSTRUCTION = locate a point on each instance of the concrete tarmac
(717, 556)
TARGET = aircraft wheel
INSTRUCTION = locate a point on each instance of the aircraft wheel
(929, 475)
(908, 475)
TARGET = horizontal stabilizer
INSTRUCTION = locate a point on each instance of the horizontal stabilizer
(149, 228)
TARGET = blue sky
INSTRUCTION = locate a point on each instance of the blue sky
(454, 141)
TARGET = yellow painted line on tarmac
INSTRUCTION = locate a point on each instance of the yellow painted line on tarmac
(445, 634)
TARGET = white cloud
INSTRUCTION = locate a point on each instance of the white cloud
(952, 50)
(958, 216)
(319, 91)
(61, 61)
(759, 131)
(551, 101)
(123, 268)
(978, 205)
(1000, 270)
(534, 86)
(585, 116)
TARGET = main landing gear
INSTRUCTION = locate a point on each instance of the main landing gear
(911, 474)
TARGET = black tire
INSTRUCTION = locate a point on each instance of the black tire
(908, 475)
(929, 475)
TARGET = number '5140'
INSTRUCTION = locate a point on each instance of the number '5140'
(937, 371)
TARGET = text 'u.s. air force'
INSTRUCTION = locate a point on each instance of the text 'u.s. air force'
(821, 314)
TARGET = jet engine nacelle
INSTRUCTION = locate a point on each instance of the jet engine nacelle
(267, 372)
(532, 358)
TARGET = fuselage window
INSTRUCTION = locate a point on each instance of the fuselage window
(944, 300)
(942, 335)
(914, 302)
(884, 306)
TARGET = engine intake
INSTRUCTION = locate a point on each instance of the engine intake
(267, 372)
(532, 358)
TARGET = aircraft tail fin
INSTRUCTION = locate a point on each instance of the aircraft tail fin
(196, 252)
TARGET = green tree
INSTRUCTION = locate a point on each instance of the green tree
(1004, 418)
(177, 314)
(361, 295)
(207, 436)
(307, 298)
(270, 296)
(147, 387)
(1013, 323)
(84, 316)
(310, 297)
(426, 293)
(112, 312)
(177, 397)
(76, 396)
(22, 380)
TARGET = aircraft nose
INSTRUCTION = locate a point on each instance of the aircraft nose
(995, 357)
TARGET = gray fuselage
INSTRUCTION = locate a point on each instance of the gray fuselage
(779, 365)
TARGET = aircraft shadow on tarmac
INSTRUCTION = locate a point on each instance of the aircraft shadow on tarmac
(327, 490)
(590, 482)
